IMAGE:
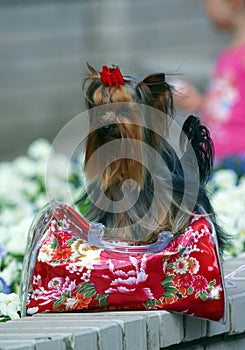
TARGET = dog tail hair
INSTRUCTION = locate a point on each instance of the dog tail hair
(202, 145)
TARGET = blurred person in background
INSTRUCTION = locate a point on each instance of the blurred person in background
(222, 106)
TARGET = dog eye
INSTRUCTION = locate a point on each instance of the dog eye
(106, 129)
(124, 110)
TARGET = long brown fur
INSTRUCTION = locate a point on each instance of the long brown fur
(107, 176)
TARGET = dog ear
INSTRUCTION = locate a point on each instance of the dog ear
(154, 91)
(92, 70)
(155, 83)
(202, 145)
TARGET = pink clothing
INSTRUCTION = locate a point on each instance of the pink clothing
(224, 105)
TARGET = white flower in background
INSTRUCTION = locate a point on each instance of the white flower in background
(228, 200)
(58, 167)
(14, 226)
(242, 184)
(9, 305)
(224, 178)
(39, 150)
(11, 272)
(9, 182)
(22, 194)
(57, 178)
(24, 166)
(18, 246)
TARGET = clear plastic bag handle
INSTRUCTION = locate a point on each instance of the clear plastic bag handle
(95, 238)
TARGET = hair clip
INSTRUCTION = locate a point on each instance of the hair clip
(111, 76)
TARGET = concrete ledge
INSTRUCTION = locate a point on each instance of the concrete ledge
(140, 330)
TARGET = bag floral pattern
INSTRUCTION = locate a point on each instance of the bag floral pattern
(70, 275)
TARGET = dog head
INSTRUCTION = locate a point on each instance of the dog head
(121, 117)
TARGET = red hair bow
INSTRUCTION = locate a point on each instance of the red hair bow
(111, 76)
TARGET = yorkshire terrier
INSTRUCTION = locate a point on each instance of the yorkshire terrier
(141, 180)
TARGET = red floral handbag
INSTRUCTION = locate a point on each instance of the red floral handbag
(69, 267)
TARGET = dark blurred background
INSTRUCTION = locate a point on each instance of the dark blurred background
(44, 47)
